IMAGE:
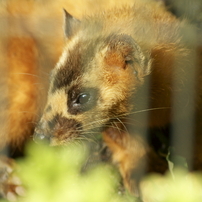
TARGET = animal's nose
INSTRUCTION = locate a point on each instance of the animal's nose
(41, 133)
(41, 138)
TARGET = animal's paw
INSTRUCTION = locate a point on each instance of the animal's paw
(10, 185)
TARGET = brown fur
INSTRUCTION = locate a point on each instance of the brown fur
(22, 95)
(31, 42)
(137, 58)
(143, 66)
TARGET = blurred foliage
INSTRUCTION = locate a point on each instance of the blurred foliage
(58, 174)
(180, 187)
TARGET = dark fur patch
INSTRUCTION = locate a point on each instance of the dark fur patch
(115, 111)
(73, 95)
(70, 71)
(76, 63)
(60, 125)
(48, 108)
(70, 126)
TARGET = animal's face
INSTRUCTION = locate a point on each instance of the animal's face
(91, 85)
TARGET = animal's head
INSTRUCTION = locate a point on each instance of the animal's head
(92, 82)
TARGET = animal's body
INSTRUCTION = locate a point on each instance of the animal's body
(116, 65)
(121, 73)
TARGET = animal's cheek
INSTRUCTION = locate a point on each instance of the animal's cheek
(56, 104)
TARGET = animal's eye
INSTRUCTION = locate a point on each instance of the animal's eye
(83, 98)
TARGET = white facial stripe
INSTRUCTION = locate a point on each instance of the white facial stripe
(69, 46)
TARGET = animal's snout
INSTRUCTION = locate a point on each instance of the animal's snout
(57, 130)
(41, 138)
(41, 134)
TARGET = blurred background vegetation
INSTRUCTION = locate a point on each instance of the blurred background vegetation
(57, 174)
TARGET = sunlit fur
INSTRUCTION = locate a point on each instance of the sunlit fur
(31, 35)
(119, 52)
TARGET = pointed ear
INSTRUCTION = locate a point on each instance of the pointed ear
(71, 24)
(123, 51)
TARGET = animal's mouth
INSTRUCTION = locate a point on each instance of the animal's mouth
(57, 131)
(61, 136)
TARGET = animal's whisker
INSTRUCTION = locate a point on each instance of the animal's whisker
(87, 139)
(143, 110)
(122, 124)
(124, 114)
(95, 122)
(95, 132)
(134, 121)
(114, 125)
(28, 74)
(88, 131)
(101, 121)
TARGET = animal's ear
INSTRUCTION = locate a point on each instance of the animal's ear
(71, 24)
(123, 51)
